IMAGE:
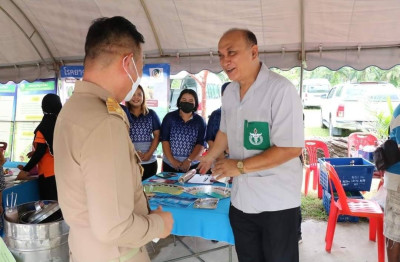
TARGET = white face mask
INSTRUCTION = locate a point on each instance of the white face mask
(135, 84)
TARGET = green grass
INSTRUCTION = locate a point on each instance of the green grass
(312, 208)
(316, 131)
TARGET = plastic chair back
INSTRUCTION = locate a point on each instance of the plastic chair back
(312, 147)
(358, 139)
(334, 179)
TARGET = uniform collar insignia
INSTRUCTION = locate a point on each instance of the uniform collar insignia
(114, 108)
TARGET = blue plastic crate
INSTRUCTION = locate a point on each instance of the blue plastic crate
(357, 177)
(326, 201)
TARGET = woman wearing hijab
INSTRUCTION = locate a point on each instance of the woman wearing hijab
(42, 155)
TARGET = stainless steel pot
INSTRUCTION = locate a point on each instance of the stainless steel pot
(44, 242)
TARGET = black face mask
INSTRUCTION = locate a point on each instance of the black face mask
(186, 107)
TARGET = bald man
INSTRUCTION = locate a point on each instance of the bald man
(262, 125)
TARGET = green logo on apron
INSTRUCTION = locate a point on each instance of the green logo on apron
(256, 135)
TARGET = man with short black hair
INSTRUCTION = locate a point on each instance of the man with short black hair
(98, 170)
(262, 125)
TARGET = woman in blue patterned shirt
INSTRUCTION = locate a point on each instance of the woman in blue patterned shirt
(144, 131)
(182, 134)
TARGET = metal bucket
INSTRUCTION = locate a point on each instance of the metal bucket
(45, 242)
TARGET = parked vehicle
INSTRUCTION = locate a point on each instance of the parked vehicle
(356, 106)
(314, 90)
(213, 92)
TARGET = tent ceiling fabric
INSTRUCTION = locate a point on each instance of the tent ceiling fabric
(37, 36)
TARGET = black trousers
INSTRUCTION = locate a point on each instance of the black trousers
(150, 170)
(267, 236)
(168, 168)
(47, 188)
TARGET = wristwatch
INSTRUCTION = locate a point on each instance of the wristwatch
(240, 166)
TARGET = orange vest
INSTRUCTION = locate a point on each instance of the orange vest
(46, 163)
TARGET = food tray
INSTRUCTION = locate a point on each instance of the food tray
(206, 203)
(211, 191)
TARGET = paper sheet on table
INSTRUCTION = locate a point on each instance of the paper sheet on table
(5, 254)
(200, 179)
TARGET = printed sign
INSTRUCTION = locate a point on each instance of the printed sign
(71, 71)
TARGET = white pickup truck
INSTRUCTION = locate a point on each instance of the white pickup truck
(356, 106)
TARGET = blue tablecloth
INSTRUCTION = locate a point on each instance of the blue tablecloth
(212, 224)
(27, 191)
(13, 164)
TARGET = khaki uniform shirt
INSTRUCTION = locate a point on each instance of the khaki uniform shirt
(99, 180)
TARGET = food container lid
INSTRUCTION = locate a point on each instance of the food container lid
(43, 212)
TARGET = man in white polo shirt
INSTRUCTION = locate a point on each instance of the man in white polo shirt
(262, 124)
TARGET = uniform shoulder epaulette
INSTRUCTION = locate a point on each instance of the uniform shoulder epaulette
(114, 108)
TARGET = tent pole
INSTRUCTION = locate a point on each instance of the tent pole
(301, 80)
(303, 53)
(153, 28)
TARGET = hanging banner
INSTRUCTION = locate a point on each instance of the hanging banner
(7, 113)
(69, 75)
(66, 88)
(28, 114)
(155, 82)
(7, 101)
(23, 140)
(29, 99)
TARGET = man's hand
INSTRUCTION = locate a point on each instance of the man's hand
(205, 164)
(168, 221)
(23, 175)
(225, 168)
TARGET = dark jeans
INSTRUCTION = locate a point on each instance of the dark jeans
(300, 219)
(47, 188)
(150, 170)
(168, 168)
(266, 236)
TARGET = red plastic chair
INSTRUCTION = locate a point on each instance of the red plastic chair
(353, 207)
(358, 139)
(312, 147)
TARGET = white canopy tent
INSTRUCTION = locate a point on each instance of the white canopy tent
(36, 37)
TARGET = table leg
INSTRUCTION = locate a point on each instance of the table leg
(197, 254)
(188, 248)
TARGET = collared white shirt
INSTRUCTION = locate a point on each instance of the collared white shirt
(273, 99)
